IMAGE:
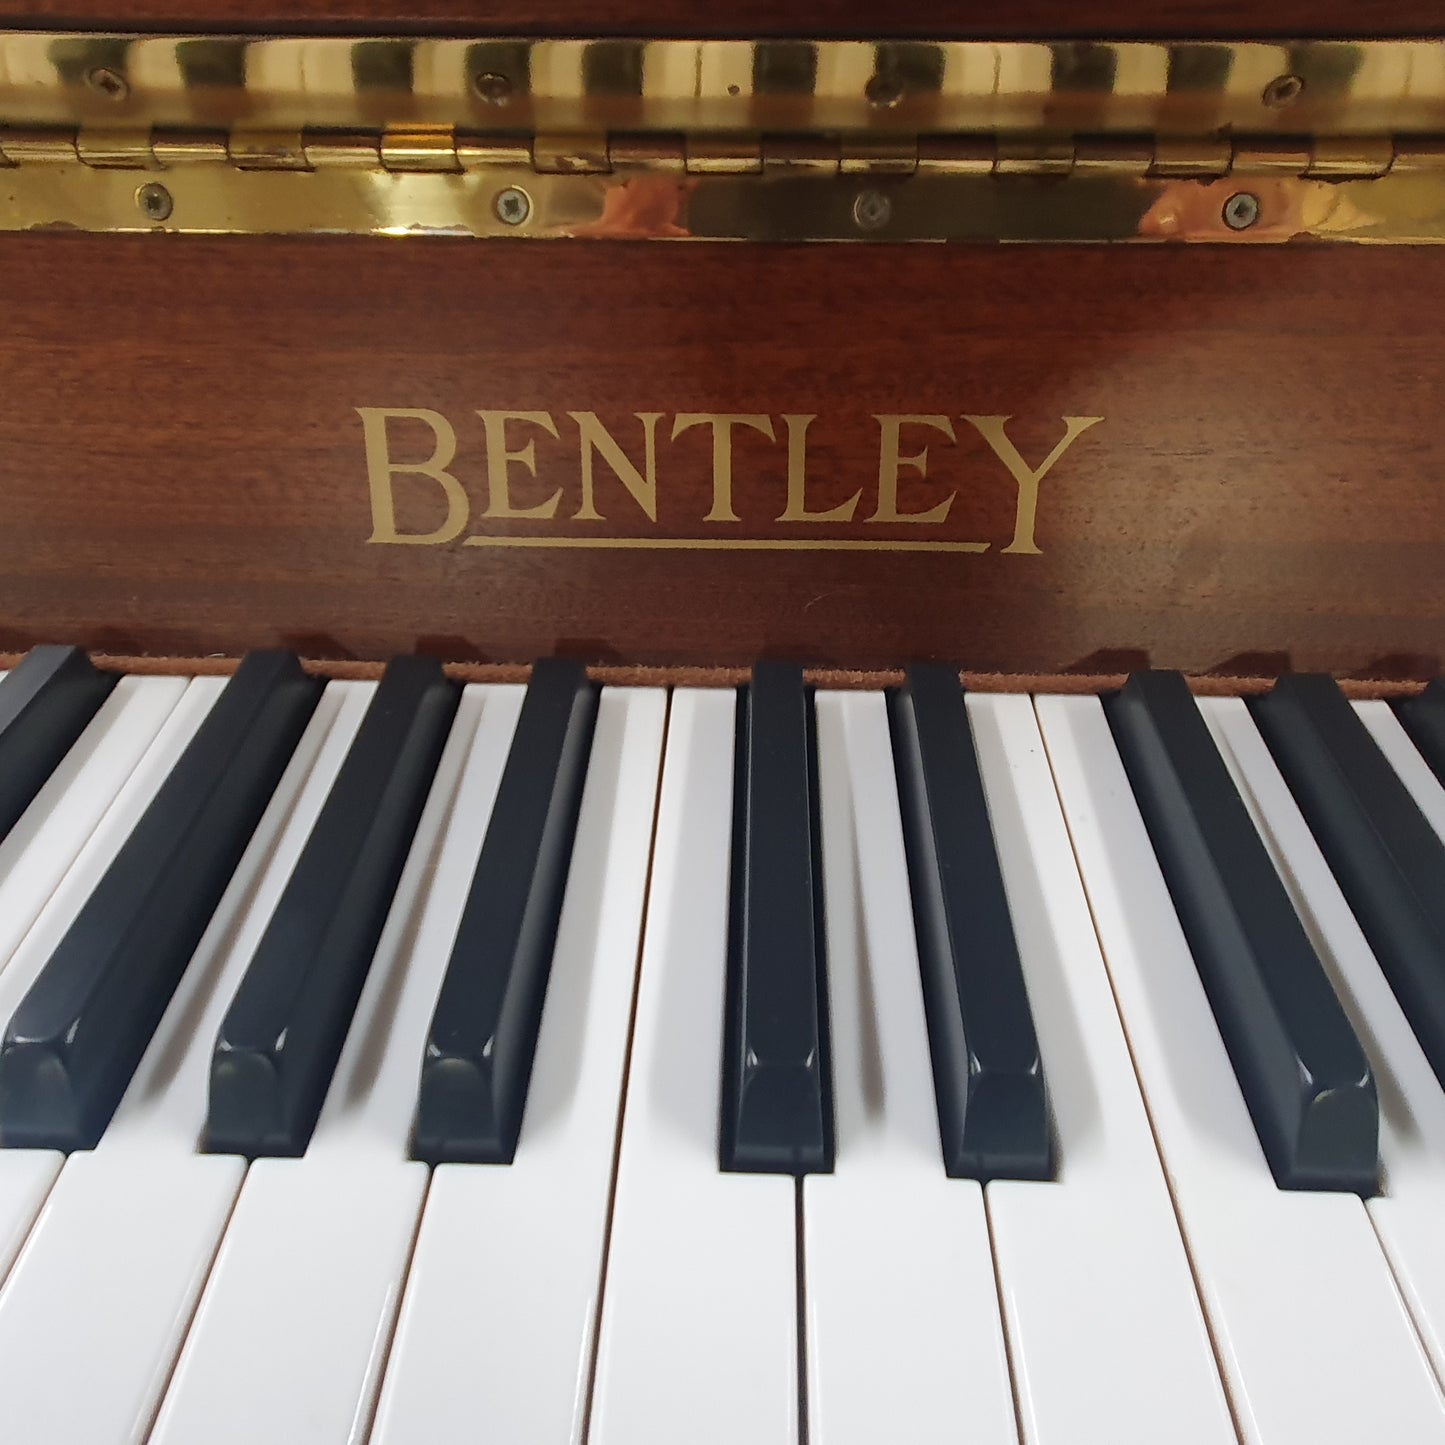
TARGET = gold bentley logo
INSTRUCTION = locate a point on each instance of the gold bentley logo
(659, 489)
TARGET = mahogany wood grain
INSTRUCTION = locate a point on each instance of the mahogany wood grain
(938, 19)
(182, 468)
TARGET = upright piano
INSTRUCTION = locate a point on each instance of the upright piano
(722, 727)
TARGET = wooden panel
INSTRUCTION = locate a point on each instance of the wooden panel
(990, 19)
(182, 466)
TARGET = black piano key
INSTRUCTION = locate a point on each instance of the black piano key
(777, 1101)
(1424, 720)
(281, 1037)
(479, 1051)
(1387, 859)
(45, 704)
(78, 1034)
(993, 1114)
(1300, 1067)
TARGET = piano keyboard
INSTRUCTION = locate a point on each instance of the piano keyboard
(404, 1061)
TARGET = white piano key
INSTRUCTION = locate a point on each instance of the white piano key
(904, 1337)
(1414, 771)
(94, 1313)
(1312, 1334)
(498, 1322)
(26, 1175)
(1411, 1204)
(293, 1326)
(34, 858)
(1105, 1327)
(66, 811)
(166, 745)
(698, 1336)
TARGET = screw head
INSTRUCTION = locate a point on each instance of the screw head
(1241, 211)
(154, 201)
(493, 88)
(1283, 90)
(107, 82)
(512, 206)
(883, 92)
(871, 210)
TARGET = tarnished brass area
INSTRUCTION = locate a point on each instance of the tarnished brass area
(738, 140)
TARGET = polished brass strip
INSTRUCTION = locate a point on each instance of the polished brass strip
(1249, 204)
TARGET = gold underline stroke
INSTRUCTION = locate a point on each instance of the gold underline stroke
(730, 544)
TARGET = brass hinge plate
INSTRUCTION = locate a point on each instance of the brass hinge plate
(782, 140)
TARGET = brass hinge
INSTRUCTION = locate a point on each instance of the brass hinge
(439, 149)
(442, 179)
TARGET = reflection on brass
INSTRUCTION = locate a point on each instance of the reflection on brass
(21, 145)
(957, 156)
(878, 158)
(1029, 157)
(642, 208)
(777, 202)
(726, 139)
(575, 153)
(1285, 210)
(722, 155)
(419, 148)
(1416, 156)
(1180, 88)
(1350, 157)
(179, 148)
(267, 150)
(1273, 156)
(483, 152)
(1181, 156)
(647, 153)
(114, 146)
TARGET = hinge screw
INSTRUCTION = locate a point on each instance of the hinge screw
(512, 206)
(154, 201)
(883, 92)
(1283, 90)
(109, 83)
(493, 88)
(1241, 210)
(871, 210)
